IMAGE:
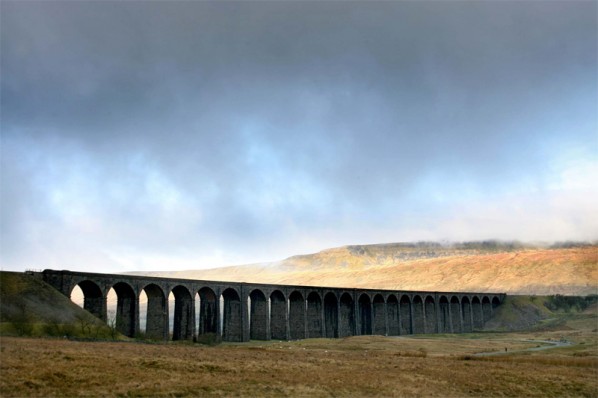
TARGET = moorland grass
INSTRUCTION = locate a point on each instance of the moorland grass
(360, 366)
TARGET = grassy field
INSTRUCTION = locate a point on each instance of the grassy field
(423, 365)
(357, 366)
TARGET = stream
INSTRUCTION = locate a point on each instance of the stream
(550, 344)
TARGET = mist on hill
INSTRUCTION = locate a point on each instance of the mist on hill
(568, 268)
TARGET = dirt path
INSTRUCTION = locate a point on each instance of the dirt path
(548, 344)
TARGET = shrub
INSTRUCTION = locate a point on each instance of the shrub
(567, 303)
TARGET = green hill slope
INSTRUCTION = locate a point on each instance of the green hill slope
(533, 313)
(29, 306)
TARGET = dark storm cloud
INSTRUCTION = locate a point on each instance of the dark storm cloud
(267, 117)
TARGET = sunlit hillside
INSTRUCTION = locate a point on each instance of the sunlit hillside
(510, 268)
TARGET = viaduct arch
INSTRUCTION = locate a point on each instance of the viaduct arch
(242, 311)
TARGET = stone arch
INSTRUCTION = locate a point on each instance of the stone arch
(184, 316)
(378, 315)
(94, 300)
(365, 314)
(430, 314)
(455, 311)
(477, 312)
(278, 315)
(406, 315)
(346, 323)
(232, 325)
(331, 315)
(486, 309)
(208, 311)
(467, 315)
(157, 313)
(392, 315)
(314, 315)
(297, 315)
(126, 309)
(258, 325)
(444, 315)
(418, 315)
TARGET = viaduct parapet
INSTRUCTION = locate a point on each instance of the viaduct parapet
(240, 311)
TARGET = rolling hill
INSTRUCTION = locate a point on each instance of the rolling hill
(513, 268)
(29, 306)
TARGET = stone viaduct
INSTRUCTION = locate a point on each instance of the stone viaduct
(240, 311)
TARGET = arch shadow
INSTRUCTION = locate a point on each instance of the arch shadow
(297, 314)
(157, 313)
(126, 309)
(184, 314)
(331, 315)
(232, 325)
(314, 316)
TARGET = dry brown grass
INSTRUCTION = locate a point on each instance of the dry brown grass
(584, 362)
(364, 366)
(530, 271)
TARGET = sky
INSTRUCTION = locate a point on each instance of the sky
(186, 135)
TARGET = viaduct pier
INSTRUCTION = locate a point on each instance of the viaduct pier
(240, 311)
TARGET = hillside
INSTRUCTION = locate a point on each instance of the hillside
(482, 266)
(29, 306)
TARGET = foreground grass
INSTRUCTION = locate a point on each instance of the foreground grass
(359, 366)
